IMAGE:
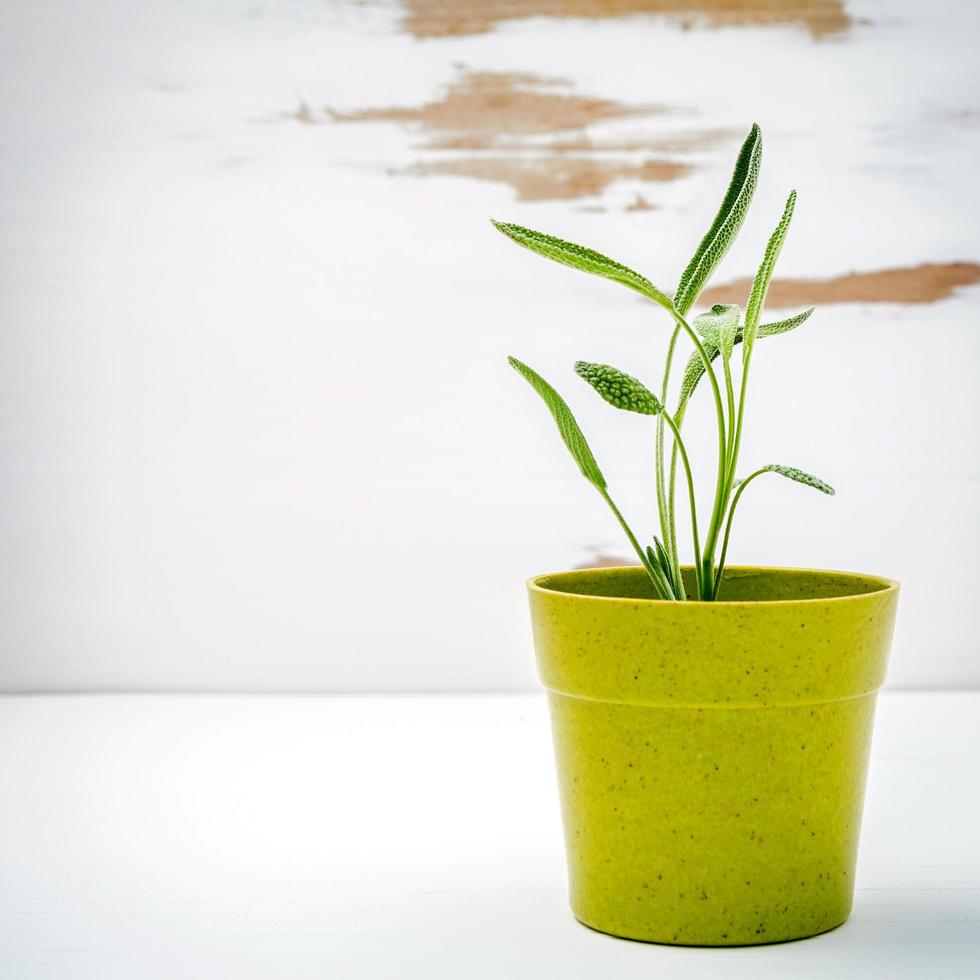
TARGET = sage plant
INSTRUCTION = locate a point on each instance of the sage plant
(714, 334)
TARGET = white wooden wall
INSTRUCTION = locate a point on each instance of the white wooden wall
(256, 425)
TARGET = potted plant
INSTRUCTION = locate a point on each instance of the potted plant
(711, 723)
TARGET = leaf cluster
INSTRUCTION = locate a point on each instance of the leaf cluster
(714, 334)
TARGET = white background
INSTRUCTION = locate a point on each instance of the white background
(257, 428)
(295, 838)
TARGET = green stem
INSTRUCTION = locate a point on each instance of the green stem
(661, 581)
(717, 510)
(667, 525)
(730, 394)
(732, 457)
(711, 572)
(734, 444)
(741, 414)
(672, 483)
(644, 560)
(728, 527)
(679, 443)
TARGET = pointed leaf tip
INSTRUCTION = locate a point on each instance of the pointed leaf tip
(784, 326)
(568, 427)
(726, 224)
(584, 259)
(760, 285)
(807, 479)
(619, 389)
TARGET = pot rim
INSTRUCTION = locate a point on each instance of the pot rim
(887, 585)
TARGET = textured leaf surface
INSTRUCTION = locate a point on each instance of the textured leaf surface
(567, 426)
(726, 224)
(719, 327)
(579, 257)
(791, 473)
(619, 389)
(707, 327)
(760, 285)
(781, 326)
(694, 371)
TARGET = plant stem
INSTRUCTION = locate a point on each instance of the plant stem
(690, 490)
(644, 560)
(730, 394)
(732, 461)
(717, 510)
(728, 528)
(672, 482)
(714, 575)
(665, 508)
(661, 581)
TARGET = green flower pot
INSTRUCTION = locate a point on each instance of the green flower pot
(712, 755)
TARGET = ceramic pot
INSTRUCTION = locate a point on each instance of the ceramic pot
(712, 755)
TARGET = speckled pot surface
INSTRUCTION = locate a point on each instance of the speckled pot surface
(712, 756)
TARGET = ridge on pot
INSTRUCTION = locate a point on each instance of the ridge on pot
(712, 755)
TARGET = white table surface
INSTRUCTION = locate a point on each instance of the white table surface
(407, 837)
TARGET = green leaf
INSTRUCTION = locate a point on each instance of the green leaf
(719, 327)
(567, 426)
(660, 574)
(694, 371)
(586, 259)
(760, 285)
(707, 327)
(781, 326)
(791, 473)
(665, 564)
(619, 389)
(726, 224)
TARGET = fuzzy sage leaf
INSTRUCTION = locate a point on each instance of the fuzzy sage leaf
(760, 285)
(718, 327)
(780, 326)
(726, 225)
(586, 259)
(569, 429)
(619, 389)
(791, 473)
(694, 371)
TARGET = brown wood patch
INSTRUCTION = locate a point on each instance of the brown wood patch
(448, 18)
(924, 283)
(531, 133)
